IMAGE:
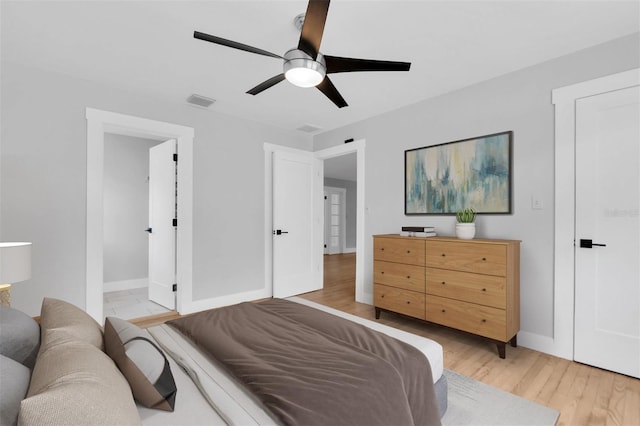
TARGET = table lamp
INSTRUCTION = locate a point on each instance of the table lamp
(15, 266)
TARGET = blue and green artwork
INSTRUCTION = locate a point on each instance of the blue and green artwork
(475, 173)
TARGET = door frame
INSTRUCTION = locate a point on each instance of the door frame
(100, 122)
(359, 148)
(343, 217)
(564, 99)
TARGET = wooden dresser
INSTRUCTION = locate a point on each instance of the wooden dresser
(469, 285)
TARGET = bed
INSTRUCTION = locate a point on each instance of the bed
(83, 374)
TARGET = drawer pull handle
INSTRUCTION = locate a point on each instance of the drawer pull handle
(382, 249)
(408, 303)
(484, 289)
(443, 311)
(408, 251)
(484, 259)
(443, 283)
(408, 277)
(443, 255)
(382, 272)
(382, 296)
(484, 320)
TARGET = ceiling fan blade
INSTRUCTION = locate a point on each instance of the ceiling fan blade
(337, 64)
(330, 91)
(233, 44)
(266, 84)
(313, 27)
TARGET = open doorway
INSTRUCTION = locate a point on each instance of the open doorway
(128, 215)
(100, 123)
(340, 219)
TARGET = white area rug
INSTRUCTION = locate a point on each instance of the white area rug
(474, 403)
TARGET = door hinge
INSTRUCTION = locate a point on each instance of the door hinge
(175, 287)
(175, 157)
(175, 222)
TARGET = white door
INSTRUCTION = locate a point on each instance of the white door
(297, 235)
(607, 275)
(162, 233)
(334, 218)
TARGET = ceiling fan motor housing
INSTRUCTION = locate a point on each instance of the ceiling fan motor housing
(302, 70)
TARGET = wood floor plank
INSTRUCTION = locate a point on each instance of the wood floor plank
(632, 402)
(615, 408)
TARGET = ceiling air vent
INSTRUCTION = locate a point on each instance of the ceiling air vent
(309, 128)
(200, 101)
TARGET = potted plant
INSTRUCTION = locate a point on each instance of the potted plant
(466, 227)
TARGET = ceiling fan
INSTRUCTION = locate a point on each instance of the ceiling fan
(305, 66)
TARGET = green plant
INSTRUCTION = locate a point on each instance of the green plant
(467, 215)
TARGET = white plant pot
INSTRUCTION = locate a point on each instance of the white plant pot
(465, 231)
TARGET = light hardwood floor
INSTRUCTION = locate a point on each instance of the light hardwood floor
(584, 395)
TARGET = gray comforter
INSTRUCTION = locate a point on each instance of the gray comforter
(308, 367)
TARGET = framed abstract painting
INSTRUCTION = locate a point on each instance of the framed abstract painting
(475, 172)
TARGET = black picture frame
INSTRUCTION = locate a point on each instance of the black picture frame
(475, 172)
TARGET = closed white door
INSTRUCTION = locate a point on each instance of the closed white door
(607, 274)
(296, 259)
(162, 232)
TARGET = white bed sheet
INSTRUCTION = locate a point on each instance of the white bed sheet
(213, 387)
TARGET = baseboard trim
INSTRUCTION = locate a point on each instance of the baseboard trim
(349, 250)
(540, 343)
(125, 285)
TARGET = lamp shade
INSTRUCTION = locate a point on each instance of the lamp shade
(15, 262)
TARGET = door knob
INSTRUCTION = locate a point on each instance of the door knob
(149, 230)
(590, 244)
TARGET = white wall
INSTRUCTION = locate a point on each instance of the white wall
(520, 101)
(126, 207)
(43, 183)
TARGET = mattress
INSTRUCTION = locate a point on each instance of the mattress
(208, 395)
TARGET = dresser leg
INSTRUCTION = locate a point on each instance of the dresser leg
(514, 341)
(501, 349)
(378, 313)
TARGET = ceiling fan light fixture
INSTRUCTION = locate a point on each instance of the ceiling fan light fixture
(301, 70)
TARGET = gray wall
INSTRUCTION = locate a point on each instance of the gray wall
(520, 101)
(350, 208)
(126, 207)
(43, 183)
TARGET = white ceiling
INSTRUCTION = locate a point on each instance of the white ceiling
(148, 47)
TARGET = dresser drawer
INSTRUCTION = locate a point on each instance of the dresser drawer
(488, 290)
(410, 277)
(402, 301)
(477, 319)
(487, 258)
(399, 250)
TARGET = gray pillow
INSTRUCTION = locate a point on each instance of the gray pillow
(19, 336)
(15, 383)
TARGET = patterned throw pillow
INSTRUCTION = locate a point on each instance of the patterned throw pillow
(142, 362)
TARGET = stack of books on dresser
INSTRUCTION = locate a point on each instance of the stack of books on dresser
(418, 231)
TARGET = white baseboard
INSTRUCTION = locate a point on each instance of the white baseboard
(349, 250)
(539, 343)
(125, 285)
